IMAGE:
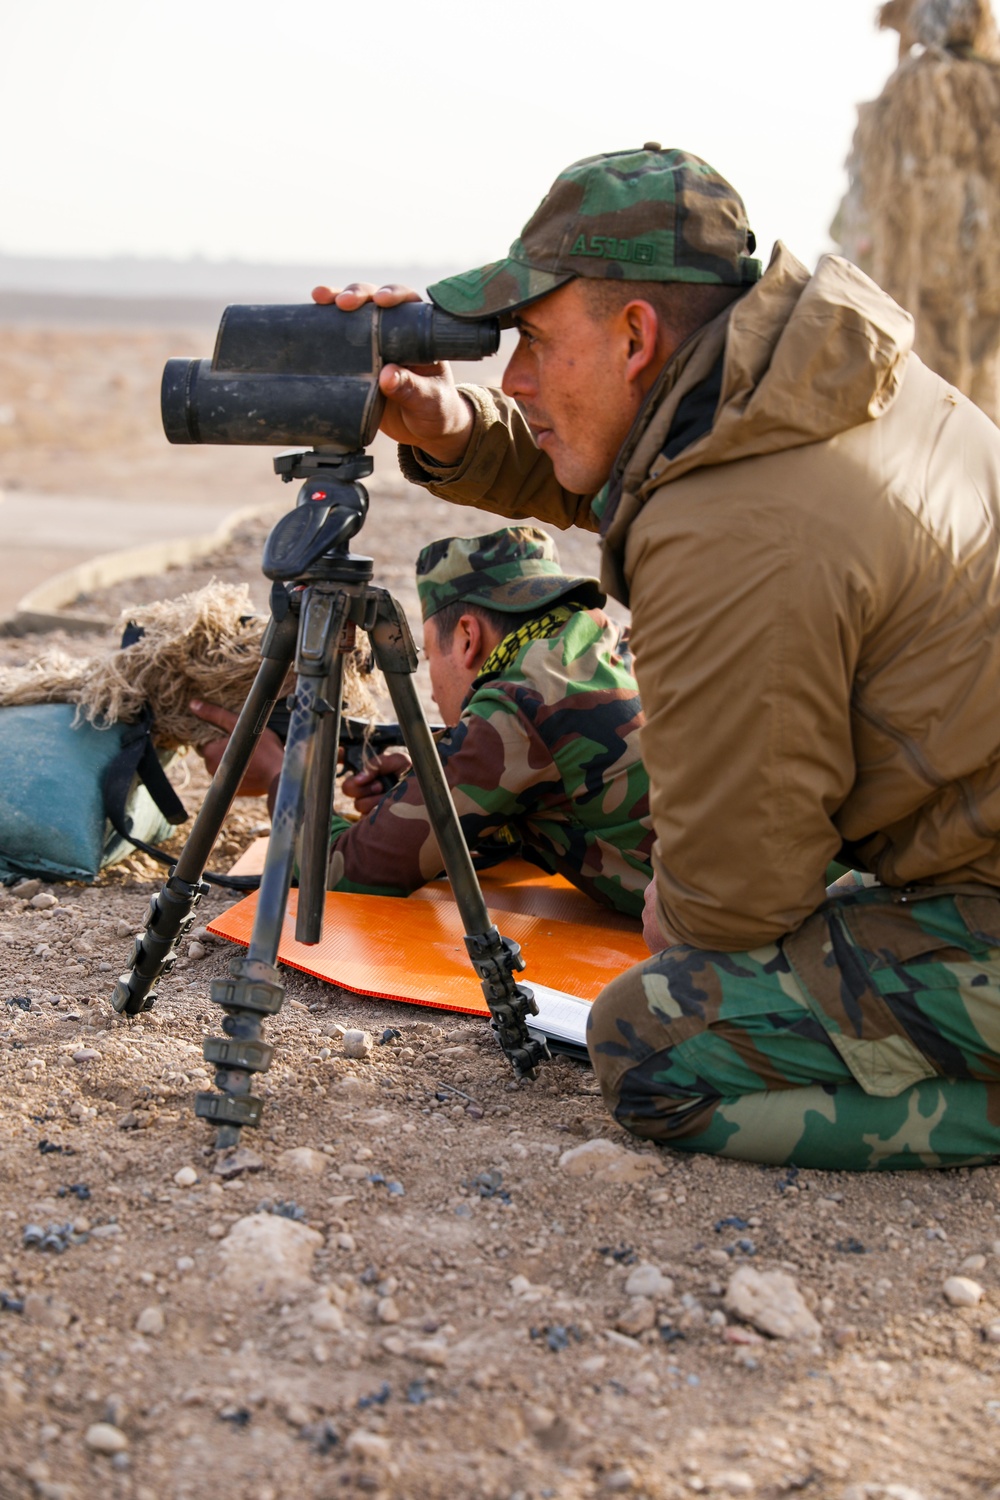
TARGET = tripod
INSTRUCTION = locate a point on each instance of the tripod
(321, 595)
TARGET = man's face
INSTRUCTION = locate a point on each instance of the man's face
(568, 376)
(451, 677)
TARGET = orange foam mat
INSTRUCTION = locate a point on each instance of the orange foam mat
(412, 949)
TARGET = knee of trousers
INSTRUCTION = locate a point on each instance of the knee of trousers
(627, 1042)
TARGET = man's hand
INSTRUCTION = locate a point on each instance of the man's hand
(265, 763)
(424, 408)
(367, 788)
(653, 933)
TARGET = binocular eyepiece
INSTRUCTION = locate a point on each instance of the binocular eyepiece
(306, 374)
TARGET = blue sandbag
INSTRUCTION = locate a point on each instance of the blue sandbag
(52, 818)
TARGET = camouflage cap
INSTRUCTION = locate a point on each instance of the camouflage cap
(514, 570)
(649, 215)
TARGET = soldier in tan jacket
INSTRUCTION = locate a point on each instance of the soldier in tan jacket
(805, 522)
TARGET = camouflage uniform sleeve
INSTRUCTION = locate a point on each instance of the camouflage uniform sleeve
(502, 470)
(494, 766)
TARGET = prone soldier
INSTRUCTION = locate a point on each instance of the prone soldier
(541, 751)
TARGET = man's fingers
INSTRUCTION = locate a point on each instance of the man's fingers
(356, 293)
(213, 713)
(368, 804)
(393, 293)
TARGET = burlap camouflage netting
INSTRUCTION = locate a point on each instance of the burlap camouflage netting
(203, 645)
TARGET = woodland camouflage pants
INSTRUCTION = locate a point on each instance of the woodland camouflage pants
(870, 1038)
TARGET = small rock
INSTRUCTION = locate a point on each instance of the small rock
(369, 1445)
(325, 1317)
(197, 950)
(238, 1162)
(295, 1413)
(151, 1321)
(357, 1043)
(270, 1255)
(972, 1264)
(618, 1481)
(186, 1177)
(51, 1489)
(648, 1281)
(428, 1351)
(46, 1311)
(735, 1333)
(101, 1437)
(961, 1291)
(346, 1241)
(606, 1161)
(44, 901)
(991, 1333)
(772, 1302)
(355, 1171)
(26, 889)
(123, 928)
(731, 1482)
(387, 1310)
(638, 1317)
(86, 1054)
(184, 1264)
(846, 1334)
(303, 1161)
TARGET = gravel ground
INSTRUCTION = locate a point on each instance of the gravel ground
(423, 1279)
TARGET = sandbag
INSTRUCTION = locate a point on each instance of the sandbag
(53, 818)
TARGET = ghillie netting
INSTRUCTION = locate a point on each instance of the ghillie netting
(204, 645)
(922, 212)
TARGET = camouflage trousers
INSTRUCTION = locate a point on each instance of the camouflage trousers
(870, 1038)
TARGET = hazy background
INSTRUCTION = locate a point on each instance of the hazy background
(381, 138)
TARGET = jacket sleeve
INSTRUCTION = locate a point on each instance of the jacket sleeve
(745, 636)
(494, 769)
(502, 469)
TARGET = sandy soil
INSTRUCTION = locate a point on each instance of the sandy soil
(438, 1300)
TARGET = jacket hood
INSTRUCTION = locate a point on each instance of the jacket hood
(806, 357)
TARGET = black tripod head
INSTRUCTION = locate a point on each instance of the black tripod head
(313, 540)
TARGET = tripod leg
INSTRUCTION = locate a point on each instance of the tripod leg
(494, 958)
(255, 989)
(171, 910)
(315, 844)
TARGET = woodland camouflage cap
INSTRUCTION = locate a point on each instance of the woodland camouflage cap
(513, 570)
(649, 215)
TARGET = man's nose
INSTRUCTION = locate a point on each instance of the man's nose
(517, 378)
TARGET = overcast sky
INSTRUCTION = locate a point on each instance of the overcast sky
(419, 133)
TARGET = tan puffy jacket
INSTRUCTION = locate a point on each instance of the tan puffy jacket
(815, 594)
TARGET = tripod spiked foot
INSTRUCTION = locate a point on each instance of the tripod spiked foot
(496, 959)
(253, 991)
(170, 914)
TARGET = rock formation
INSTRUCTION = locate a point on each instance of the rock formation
(922, 210)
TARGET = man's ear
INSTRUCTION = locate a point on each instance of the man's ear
(470, 642)
(641, 326)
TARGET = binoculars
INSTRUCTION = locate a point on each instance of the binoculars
(308, 374)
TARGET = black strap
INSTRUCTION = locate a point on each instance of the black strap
(137, 757)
